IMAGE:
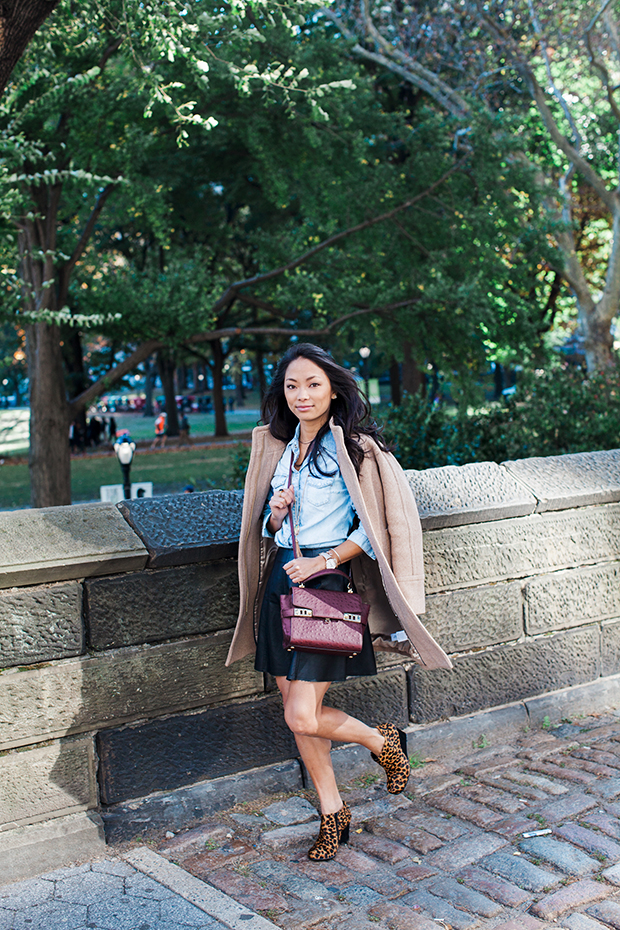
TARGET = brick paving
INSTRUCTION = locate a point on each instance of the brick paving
(450, 853)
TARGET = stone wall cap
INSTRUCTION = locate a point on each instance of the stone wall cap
(182, 528)
(475, 493)
(578, 479)
(62, 543)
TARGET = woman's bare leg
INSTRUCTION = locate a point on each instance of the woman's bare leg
(314, 728)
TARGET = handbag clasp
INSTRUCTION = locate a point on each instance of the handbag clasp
(302, 612)
(352, 618)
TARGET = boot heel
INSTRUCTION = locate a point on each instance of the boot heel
(403, 741)
(344, 836)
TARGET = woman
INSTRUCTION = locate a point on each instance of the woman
(351, 505)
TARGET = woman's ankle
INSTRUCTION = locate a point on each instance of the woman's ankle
(331, 807)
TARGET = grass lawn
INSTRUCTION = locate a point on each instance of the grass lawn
(14, 426)
(169, 471)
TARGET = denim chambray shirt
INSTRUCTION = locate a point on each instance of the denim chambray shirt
(327, 512)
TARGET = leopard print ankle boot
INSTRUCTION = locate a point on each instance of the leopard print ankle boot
(393, 758)
(334, 831)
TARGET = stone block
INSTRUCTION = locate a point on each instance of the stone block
(475, 493)
(47, 781)
(458, 557)
(26, 852)
(61, 543)
(185, 528)
(150, 606)
(40, 623)
(508, 673)
(576, 480)
(165, 754)
(373, 700)
(119, 686)
(610, 648)
(572, 598)
(186, 807)
(521, 872)
(473, 617)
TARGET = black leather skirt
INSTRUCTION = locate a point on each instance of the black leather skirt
(272, 657)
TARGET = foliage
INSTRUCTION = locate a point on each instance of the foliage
(240, 462)
(552, 413)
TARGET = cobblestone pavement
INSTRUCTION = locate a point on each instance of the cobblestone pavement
(108, 895)
(514, 839)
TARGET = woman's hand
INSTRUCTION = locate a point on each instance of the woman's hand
(300, 569)
(279, 504)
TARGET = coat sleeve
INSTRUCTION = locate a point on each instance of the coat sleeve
(404, 530)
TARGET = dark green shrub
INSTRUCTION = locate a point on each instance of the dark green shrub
(557, 412)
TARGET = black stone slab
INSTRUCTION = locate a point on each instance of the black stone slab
(509, 673)
(153, 606)
(185, 528)
(165, 754)
(378, 699)
(173, 752)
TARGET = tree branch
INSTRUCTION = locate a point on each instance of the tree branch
(410, 70)
(600, 65)
(65, 271)
(233, 289)
(608, 197)
(143, 351)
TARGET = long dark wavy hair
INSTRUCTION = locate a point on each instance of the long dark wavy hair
(350, 409)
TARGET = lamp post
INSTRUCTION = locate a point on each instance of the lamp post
(125, 449)
(364, 353)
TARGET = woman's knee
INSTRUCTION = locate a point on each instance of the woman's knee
(300, 720)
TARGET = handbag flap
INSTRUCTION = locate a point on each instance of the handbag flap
(325, 603)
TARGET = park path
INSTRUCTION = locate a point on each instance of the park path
(454, 853)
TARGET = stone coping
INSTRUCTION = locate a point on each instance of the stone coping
(562, 481)
(475, 493)
(61, 543)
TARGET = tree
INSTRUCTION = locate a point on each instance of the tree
(561, 57)
(18, 23)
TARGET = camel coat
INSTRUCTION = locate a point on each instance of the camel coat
(393, 584)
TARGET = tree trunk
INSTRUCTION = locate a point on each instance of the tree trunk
(149, 377)
(166, 365)
(18, 24)
(49, 459)
(395, 393)
(498, 381)
(239, 392)
(598, 343)
(412, 377)
(221, 428)
(260, 367)
(73, 358)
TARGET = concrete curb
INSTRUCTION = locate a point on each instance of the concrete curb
(37, 848)
(209, 899)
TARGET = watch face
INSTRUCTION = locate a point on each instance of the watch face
(330, 563)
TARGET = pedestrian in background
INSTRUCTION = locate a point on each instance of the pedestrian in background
(160, 431)
(184, 427)
(316, 418)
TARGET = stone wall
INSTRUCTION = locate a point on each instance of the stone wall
(115, 623)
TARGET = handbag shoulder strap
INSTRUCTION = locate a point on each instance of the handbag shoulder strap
(296, 549)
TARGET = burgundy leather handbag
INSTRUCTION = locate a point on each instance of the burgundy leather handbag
(317, 620)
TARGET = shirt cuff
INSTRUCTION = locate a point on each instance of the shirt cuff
(360, 539)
